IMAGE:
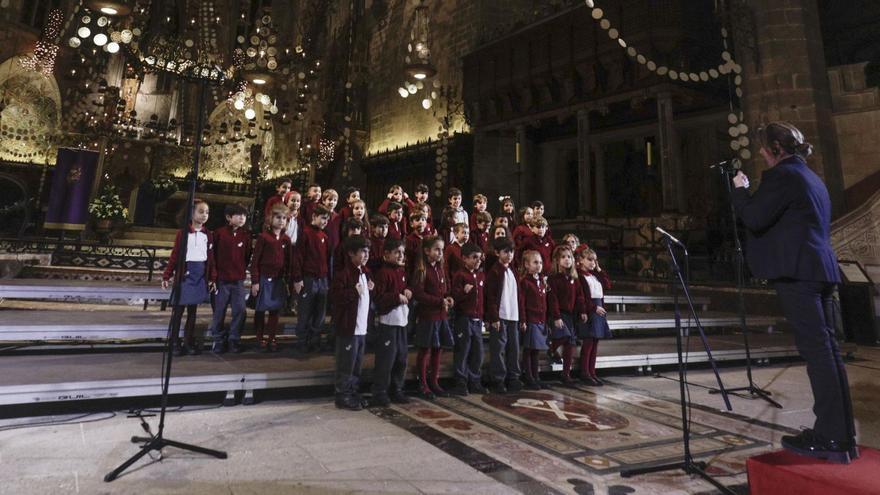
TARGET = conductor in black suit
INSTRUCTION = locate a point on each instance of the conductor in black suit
(788, 223)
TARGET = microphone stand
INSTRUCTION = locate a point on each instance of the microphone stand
(688, 465)
(751, 388)
(158, 441)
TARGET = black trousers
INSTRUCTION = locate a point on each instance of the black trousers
(349, 357)
(468, 356)
(391, 353)
(807, 307)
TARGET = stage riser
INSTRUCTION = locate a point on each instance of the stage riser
(118, 389)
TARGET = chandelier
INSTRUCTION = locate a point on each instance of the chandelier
(417, 62)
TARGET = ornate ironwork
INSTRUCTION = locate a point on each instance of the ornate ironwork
(89, 255)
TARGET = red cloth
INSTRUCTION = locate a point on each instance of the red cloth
(232, 253)
(470, 303)
(311, 255)
(333, 230)
(210, 269)
(520, 233)
(390, 282)
(494, 287)
(783, 472)
(271, 256)
(345, 297)
(565, 296)
(430, 293)
(481, 239)
(452, 259)
(543, 245)
(396, 230)
(533, 299)
(307, 208)
(377, 248)
(413, 250)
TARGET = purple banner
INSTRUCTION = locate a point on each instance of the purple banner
(71, 189)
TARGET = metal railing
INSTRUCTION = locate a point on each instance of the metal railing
(78, 254)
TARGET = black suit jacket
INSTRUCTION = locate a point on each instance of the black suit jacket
(788, 221)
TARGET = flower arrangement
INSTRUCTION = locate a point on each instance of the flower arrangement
(164, 186)
(107, 205)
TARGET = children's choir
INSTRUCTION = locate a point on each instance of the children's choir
(389, 273)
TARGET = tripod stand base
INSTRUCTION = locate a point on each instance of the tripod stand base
(752, 390)
(689, 467)
(157, 444)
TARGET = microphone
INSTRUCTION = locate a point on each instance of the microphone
(671, 238)
(729, 166)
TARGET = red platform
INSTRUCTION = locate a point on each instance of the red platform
(782, 472)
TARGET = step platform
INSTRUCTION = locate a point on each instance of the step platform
(783, 472)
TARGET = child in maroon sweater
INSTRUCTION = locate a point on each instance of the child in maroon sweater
(414, 239)
(396, 223)
(522, 229)
(566, 308)
(595, 282)
(352, 226)
(539, 241)
(283, 186)
(351, 291)
(378, 236)
(269, 267)
(480, 233)
(391, 297)
(533, 317)
(232, 251)
(467, 291)
(452, 253)
(309, 279)
(430, 289)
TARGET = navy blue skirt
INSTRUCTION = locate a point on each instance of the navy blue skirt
(596, 326)
(272, 295)
(567, 331)
(194, 286)
(433, 334)
(535, 337)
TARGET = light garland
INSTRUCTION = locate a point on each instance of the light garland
(45, 51)
(738, 129)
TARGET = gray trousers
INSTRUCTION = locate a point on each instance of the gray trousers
(504, 352)
(231, 294)
(349, 358)
(391, 353)
(468, 354)
(311, 307)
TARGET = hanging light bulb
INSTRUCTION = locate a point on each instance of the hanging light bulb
(426, 103)
(113, 47)
(403, 92)
(100, 39)
(250, 114)
(238, 104)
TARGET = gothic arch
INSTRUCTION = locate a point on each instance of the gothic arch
(30, 115)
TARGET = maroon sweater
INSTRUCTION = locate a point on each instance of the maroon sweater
(377, 247)
(412, 250)
(452, 259)
(469, 304)
(481, 239)
(333, 232)
(232, 253)
(430, 293)
(345, 298)
(396, 230)
(311, 255)
(603, 279)
(565, 296)
(494, 286)
(532, 299)
(271, 256)
(544, 245)
(520, 233)
(391, 281)
(210, 269)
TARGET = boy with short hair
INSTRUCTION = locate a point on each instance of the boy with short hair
(421, 194)
(232, 252)
(538, 209)
(396, 224)
(378, 236)
(480, 204)
(480, 234)
(282, 187)
(452, 254)
(351, 194)
(502, 318)
(392, 296)
(351, 294)
(309, 272)
(452, 214)
(467, 291)
(312, 199)
(417, 222)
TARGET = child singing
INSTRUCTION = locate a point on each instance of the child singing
(595, 282)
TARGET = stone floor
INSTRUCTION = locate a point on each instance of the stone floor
(483, 445)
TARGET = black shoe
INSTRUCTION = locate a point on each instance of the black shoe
(589, 381)
(218, 348)
(460, 389)
(439, 391)
(426, 394)
(498, 388)
(544, 385)
(398, 397)
(235, 348)
(349, 402)
(514, 385)
(809, 444)
(532, 385)
(181, 350)
(477, 388)
(567, 381)
(598, 381)
(379, 400)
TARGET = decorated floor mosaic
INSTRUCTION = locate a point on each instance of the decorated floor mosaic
(579, 440)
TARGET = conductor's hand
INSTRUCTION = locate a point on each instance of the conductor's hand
(741, 180)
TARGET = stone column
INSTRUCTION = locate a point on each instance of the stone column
(601, 195)
(522, 164)
(584, 172)
(785, 78)
(670, 160)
